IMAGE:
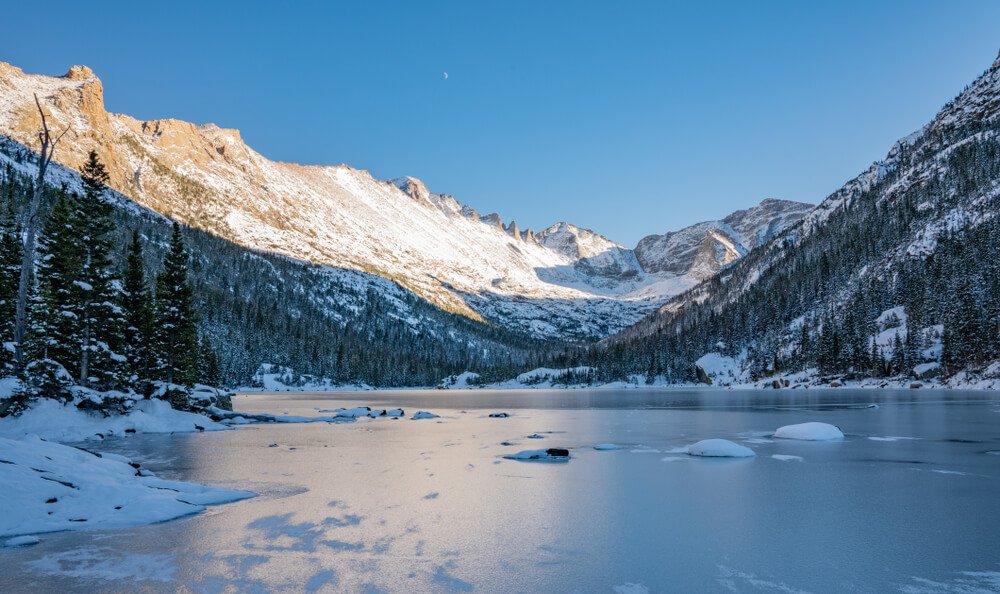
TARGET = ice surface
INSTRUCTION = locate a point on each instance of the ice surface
(812, 431)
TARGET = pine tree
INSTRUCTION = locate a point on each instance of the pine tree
(208, 363)
(176, 332)
(10, 270)
(101, 320)
(136, 303)
(52, 346)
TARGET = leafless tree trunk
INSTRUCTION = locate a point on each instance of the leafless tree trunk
(31, 231)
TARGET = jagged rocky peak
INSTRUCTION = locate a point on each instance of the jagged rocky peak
(413, 187)
(79, 72)
(575, 242)
(704, 248)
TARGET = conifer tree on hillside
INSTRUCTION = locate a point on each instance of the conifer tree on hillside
(101, 320)
(176, 331)
(136, 303)
(52, 347)
(208, 363)
(10, 270)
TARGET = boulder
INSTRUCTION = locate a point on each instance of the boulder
(702, 376)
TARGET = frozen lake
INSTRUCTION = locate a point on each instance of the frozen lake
(909, 501)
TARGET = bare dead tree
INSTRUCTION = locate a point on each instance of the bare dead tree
(31, 232)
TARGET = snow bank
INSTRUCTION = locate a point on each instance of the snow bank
(50, 487)
(423, 414)
(547, 377)
(462, 381)
(549, 455)
(53, 421)
(810, 432)
(719, 448)
(718, 369)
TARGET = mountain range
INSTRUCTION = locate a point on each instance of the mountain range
(563, 282)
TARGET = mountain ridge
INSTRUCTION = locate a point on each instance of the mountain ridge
(562, 282)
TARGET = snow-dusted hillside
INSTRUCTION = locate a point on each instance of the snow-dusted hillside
(561, 282)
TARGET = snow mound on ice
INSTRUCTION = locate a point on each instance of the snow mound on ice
(719, 448)
(537, 456)
(812, 431)
(20, 541)
(423, 414)
(50, 487)
(607, 447)
(786, 457)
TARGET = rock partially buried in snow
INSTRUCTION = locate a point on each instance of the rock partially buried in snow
(535, 436)
(21, 541)
(607, 447)
(499, 415)
(719, 448)
(812, 431)
(549, 455)
(423, 414)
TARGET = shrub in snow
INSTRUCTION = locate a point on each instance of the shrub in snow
(719, 448)
(810, 432)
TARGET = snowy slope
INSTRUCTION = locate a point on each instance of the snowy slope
(562, 282)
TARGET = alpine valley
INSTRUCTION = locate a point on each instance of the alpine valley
(349, 279)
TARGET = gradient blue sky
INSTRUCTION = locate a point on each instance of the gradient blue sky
(629, 118)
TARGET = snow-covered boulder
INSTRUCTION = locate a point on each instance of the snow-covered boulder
(812, 431)
(927, 370)
(718, 369)
(49, 487)
(423, 414)
(549, 455)
(719, 448)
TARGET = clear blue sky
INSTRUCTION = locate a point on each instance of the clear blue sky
(629, 117)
